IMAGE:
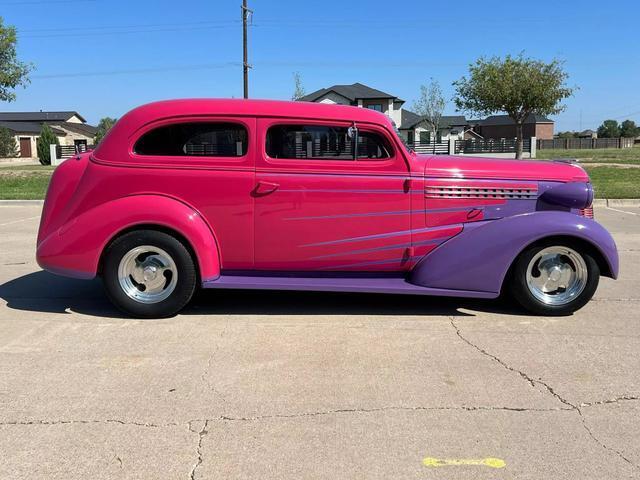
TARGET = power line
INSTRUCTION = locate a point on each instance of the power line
(134, 25)
(177, 68)
(124, 32)
(42, 2)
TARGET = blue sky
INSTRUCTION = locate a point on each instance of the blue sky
(103, 57)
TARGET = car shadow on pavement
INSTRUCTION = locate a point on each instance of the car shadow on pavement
(47, 293)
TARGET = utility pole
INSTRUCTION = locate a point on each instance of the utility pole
(245, 60)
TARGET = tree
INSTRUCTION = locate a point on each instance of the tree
(298, 89)
(8, 145)
(519, 86)
(629, 129)
(104, 126)
(47, 138)
(430, 106)
(13, 73)
(609, 129)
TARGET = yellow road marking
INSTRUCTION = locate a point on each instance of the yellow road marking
(449, 462)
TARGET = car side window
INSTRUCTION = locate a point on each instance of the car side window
(323, 142)
(199, 139)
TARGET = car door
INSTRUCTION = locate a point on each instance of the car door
(317, 208)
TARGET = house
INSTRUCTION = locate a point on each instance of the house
(410, 125)
(502, 126)
(588, 134)
(69, 127)
(359, 95)
(414, 130)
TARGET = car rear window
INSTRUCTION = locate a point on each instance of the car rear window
(323, 143)
(198, 139)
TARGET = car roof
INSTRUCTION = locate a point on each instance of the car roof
(259, 108)
(114, 143)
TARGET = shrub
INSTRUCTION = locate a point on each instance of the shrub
(8, 145)
(47, 138)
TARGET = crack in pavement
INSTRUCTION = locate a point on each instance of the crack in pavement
(86, 422)
(549, 389)
(622, 398)
(389, 408)
(204, 377)
(201, 433)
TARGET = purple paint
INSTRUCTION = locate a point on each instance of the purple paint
(375, 284)
(568, 195)
(479, 257)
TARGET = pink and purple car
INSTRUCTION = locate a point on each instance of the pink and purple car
(250, 194)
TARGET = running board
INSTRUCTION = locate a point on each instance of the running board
(336, 284)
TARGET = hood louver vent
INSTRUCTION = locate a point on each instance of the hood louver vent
(475, 192)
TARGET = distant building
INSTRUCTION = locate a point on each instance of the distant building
(502, 126)
(412, 127)
(588, 134)
(70, 128)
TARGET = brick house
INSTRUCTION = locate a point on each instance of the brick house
(502, 126)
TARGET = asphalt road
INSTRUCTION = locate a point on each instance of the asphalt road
(307, 386)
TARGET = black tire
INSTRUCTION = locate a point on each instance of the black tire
(186, 279)
(519, 289)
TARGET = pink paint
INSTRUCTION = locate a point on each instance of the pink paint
(263, 214)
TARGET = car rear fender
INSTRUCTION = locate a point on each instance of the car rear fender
(479, 257)
(75, 249)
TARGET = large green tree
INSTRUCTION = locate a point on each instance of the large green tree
(609, 129)
(516, 85)
(8, 145)
(629, 129)
(13, 73)
(43, 145)
(104, 126)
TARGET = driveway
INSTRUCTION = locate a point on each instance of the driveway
(290, 385)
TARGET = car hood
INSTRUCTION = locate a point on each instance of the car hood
(498, 168)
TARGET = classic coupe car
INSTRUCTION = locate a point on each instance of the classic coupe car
(250, 194)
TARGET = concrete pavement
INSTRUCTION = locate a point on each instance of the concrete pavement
(314, 385)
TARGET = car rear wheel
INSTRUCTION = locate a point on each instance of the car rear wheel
(554, 278)
(149, 274)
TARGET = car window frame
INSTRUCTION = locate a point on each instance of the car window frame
(248, 123)
(395, 163)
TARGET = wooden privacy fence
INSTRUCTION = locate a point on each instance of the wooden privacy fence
(491, 146)
(584, 143)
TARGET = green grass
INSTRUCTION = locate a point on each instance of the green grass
(604, 155)
(615, 182)
(27, 182)
(25, 168)
(30, 182)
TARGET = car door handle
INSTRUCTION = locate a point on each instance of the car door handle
(265, 188)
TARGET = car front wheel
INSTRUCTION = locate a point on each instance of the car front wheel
(149, 274)
(554, 278)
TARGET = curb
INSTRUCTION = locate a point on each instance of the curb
(617, 202)
(20, 203)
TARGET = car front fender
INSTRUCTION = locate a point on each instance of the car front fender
(76, 247)
(479, 257)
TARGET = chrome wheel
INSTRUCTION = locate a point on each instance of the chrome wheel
(556, 275)
(147, 274)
